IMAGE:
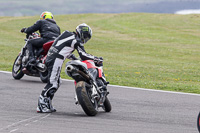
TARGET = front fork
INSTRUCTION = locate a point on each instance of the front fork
(99, 93)
(23, 50)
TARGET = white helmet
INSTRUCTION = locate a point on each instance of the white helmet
(84, 32)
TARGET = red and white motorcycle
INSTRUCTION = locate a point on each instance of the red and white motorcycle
(37, 69)
(90, 85)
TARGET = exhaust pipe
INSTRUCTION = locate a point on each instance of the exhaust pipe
(70, 68)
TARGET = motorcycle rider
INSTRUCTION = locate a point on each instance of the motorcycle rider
(48, 29)
(61, 49)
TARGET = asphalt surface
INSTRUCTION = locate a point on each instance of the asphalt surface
(133, 110)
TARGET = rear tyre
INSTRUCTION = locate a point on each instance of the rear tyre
(17, 70)
(88, 104)
(198, 122)
(44, 76)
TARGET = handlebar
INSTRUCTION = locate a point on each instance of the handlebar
(32, 35)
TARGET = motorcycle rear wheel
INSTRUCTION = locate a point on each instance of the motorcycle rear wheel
(17, 70)
(198, 122)
(88, 104)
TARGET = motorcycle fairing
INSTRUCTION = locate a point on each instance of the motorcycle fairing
(91, 64)
(77, 63)
(46, 47)
(100, 72)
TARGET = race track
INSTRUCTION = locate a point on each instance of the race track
(133, 110)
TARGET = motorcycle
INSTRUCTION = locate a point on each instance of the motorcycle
(90, 86)
(37, 69)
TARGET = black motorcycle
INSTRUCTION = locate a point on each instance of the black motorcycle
(90, 86)
(37, 68)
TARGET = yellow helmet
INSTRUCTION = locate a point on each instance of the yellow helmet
(46, 15)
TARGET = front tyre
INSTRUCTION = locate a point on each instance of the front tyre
(17, 69)
(44, 76)
(107, 105)
(88, 104)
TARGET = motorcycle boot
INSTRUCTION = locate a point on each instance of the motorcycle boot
(45, 105)
(32, 59)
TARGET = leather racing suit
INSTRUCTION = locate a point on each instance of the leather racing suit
(61, 49)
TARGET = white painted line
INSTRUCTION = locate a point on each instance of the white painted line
(68, 80)
(153, 90)
(45, 116)
(135, 88)
(5, 72)
(35, 121)
(13, 130)
(13, 124)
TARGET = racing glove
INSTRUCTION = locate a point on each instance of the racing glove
(98, 60)
(23, 30)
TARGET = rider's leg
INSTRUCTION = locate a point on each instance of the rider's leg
(45, 99)
(30, 49)
(35, 43)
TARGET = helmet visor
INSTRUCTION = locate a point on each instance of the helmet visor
(86, 37)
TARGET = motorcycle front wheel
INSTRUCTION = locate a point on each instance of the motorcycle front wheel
(88, 104)
(107, 106)
(17, 69)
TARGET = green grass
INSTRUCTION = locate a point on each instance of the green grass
(156, 51)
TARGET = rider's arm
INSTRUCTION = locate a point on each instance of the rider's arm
(72, 57)
(33, 28)
(82, 53)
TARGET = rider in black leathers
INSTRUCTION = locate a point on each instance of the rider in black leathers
(48, 29)
(61, 49)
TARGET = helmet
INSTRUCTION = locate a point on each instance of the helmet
(84, 32)
(46, 15)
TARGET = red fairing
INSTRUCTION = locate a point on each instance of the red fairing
(46, 47)
(100, 72)
(89, 63)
